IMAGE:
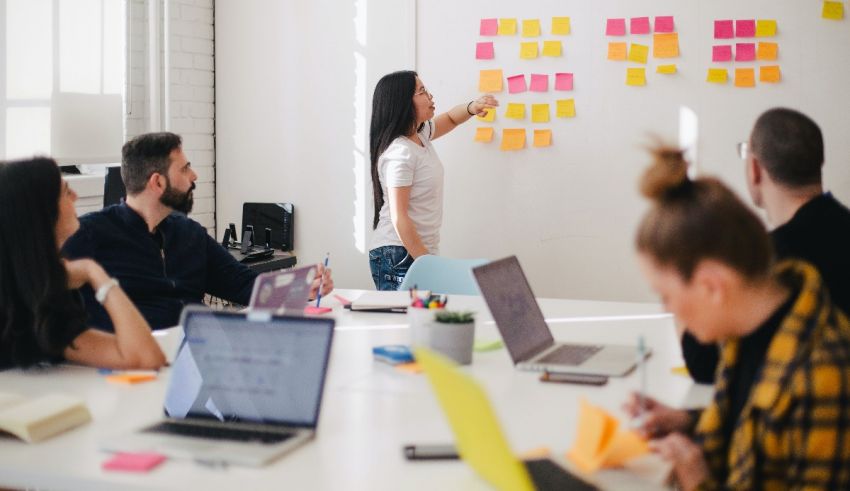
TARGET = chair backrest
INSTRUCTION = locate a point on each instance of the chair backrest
(113, 187)
(443, 275)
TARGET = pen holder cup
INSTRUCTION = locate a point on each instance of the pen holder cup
(454, 340)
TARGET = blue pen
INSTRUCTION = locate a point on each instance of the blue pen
(322, 282)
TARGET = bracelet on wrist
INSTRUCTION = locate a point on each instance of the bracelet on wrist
(104, 289)
(467, 108)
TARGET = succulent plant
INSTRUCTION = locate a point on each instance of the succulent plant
(455, 317)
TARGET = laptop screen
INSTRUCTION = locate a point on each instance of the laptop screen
(250, 367)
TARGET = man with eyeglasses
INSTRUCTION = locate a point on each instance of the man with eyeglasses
(784, 157)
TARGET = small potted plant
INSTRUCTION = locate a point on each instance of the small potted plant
(453, 334)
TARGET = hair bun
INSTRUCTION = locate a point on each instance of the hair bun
(668, 172)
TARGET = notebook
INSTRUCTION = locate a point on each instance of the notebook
(283, 291)
(381, 301)
(37, 419)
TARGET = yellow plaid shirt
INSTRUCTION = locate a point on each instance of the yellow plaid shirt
(794, 431)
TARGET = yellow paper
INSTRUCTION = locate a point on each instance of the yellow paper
(542, 138)
(530, 28)
(666, 69)
(489, 116)
(484, 134)
(551, 48)
(765, 28)
(767, 51)
(507, 27)
(513, 139)
(528, 51)
(745, 77)
(665, 45)
(617, 51)
(680, 370)
(600, 443)
(833, 10)
(565, 108)
(638, 53)
(490, 81)
(636, 77)
(560, 26)
(625, 446)
(515, 111)
(540, 113)
(717, 75)
(770, 74)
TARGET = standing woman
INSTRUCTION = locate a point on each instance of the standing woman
(407, 175)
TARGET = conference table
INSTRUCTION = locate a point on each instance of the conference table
(370, 410)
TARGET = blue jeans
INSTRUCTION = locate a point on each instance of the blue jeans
(389, 264)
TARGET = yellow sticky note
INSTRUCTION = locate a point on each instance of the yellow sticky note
(770, 74)
(767, 51)
(765, 28)
(513, 139)
(833, 10)
(515, 111)
(542, 138)
(635, 76)
(565, 108)
(680, 370)
(717, 75)
(484, 134)
(638, 53)
(412, 368)
(600, 442)
(507, 27)
(530, 28)
(625, 446)
(540, 113)
(745, 77)
(551, 48)
(665, 45)
(528, 51)
(489, 116)
(490, 81)
(666, 69)
(617, 51)
(560, 26)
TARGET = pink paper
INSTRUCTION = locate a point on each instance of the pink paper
(563, 81)
(616, 27)
(640, 25)
(724, 29)
(745, 28)
(133, 462)
(313, 310)
(721, 53)
(489, 27)
(539, 82)
(484, 51)
(745, 52)
(664, 23)
(516, 84)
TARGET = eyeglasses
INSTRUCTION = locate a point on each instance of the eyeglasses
(743, 150)
(421, 91)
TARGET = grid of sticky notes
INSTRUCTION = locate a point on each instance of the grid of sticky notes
(635, 50)
(832, 10)
(744, 47)
(525, 80)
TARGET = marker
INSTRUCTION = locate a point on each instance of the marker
(322, 281)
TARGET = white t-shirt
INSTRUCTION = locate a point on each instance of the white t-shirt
(406, 163)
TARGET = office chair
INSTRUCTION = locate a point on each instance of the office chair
(113, 187)
(443, 275)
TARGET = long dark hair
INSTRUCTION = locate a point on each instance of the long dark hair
(393, 115)
(35, 303)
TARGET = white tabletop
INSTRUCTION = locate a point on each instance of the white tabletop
(369, 409)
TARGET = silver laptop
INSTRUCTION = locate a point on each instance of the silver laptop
(527, 337)
(283, 291)
(244, 389)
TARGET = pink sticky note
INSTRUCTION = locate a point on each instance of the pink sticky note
(616, 27)
(724, 29)
(539, 82)
(745, 52)
(745, 28)
(640, 25)
(484, 51)
(313, 310)
(721, 53)
(133, 462)
(489, 27)
(664, 23)
(516, 84)
(563, 81)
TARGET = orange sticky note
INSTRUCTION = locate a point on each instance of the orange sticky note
(638, 53)
(542, 138)
(489, 115)
(515, 111)
(665, 45)
(636, 77)
(600, 442)
(530, 28)
(484, 134)
(513, 139)
(617, 51)
(765, 28)
(565, 108)
(540, 113)
(767, 51)
(490, 81)
(717, 76)
(666, 69)
(507, 27)
(833, 10)
(131, 378)
(770, 74)
(528, 51)
(412, 367)
(551, 48)
(625, 446)
(745, 77)
(560, 26)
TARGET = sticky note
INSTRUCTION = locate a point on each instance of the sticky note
(664, 23)
(484, 51)
(765, 28)
(745, 52)
(723, 29)
(560, 26)
(615, 27)
(134, 462)
(515, 111)
(721, 53)
(666, 69)
(639, 25)
(490, 81)
(638, 53)
(507, 27)
(412, 368)
(617, 51)
(484, 134)
(681, 370)
(489, 27)
(565, 108)
(833, 10)
(551, 48)
(717, 75)
(745, 28)
(636, 77)
(516, 84)
(530, 28)
(528, 51)
(745, 77)
(767, 51)
(542, 138)
(601, 443)
(770, 74)
(665, 45)
(489, 115)
(563, 81)
(513, 139)
(540, 113)
(539, 82)
(131, 378)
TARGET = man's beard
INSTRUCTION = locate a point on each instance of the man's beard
(173, 198)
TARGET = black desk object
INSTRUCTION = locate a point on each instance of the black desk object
(280, 260)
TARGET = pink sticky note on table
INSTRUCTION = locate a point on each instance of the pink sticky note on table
(664, 23)
(489, 27)
(484, 51)
(133, 462)
(745, 28)
(563, 81)
(640, 25)
(721, 53)
(745, 52)
(539, 82)
(616, 27)
(313, 310)
(516, 84)
(724, 29)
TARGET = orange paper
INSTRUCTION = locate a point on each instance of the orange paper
(131, 378)
(745, 77)
(617, 51)
(770, 74)
(513, 139)
(484, 134)
(490, 81)
(600, 443)
(542, 138)
(665, 45)
(767, 51)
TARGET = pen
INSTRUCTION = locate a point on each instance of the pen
(643, 379)
(322, 281)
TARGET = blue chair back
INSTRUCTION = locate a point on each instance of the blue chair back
(443, 275)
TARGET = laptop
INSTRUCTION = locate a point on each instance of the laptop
(479, 437)
(283, 291)
(244, 389)
(526, 335)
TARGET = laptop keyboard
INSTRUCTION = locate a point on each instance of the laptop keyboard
(218, 433)
(570, 354)
(548, 475)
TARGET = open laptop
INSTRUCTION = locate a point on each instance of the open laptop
(284, 291)
(527, 337)
(244, 389)
(479, 437)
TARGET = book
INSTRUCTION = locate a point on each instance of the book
(381, 302)
(34, 420)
